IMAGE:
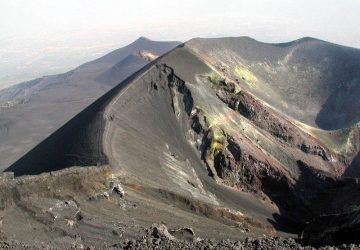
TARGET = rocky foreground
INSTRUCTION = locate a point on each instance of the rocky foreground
(263, 243)
(158, 237)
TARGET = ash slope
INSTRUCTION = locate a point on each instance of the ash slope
(189, 130)
(31, 111)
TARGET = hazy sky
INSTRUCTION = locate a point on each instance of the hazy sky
(43, 36)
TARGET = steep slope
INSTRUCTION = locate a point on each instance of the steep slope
(205, 137)
(313, 81)
(315, 84)
(31, 111)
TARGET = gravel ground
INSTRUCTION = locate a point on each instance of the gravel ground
(261, 243)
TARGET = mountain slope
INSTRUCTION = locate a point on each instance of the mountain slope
(31, 111)
(202, 129)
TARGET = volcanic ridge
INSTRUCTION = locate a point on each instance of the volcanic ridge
(227, 139)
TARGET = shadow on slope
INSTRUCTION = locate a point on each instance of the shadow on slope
(342, 107)
(354, 169)
(77, 143)
(314, 194)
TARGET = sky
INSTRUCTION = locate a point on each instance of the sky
(39, 37)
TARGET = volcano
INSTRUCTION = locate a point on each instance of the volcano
(223, 138)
